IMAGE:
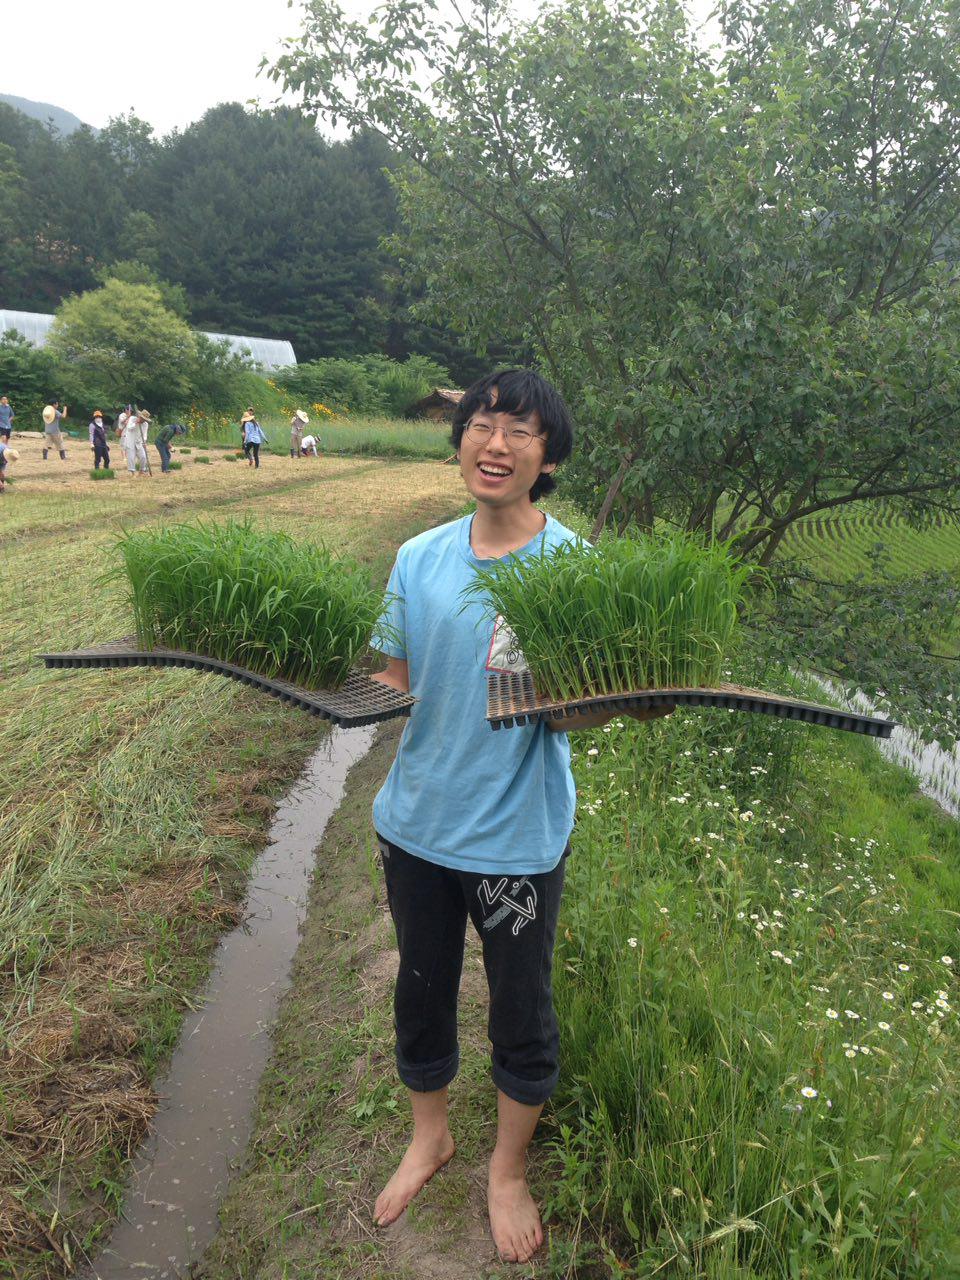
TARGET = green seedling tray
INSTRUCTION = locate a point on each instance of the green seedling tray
(358, 701)
(513, 700)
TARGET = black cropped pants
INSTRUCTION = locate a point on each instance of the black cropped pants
(516, 920)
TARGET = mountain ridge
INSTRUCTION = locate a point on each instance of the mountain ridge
(65, 122)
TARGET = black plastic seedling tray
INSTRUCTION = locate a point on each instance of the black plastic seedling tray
(512, 700)
(359, 700)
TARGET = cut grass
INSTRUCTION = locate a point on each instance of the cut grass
(655, 612)
(131, 804)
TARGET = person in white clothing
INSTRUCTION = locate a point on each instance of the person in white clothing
(133, 439)
(309, 445)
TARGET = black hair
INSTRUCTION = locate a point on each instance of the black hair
(519, 393)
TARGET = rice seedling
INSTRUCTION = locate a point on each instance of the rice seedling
(654, 612)
(176, 466)
(252, 597)
(203, 459)
(230, 457)
(104, 473)
(185, 451)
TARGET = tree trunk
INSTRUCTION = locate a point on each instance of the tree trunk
(613, 492)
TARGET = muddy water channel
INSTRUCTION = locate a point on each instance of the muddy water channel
(208, 1096)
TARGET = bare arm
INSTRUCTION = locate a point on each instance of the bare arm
(599, 718)
(395, 675)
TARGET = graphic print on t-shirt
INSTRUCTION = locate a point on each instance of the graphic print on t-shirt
(505, 653)
(517, 898)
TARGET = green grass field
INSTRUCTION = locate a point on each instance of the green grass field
(377, 437)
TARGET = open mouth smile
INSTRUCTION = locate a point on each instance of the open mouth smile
(492, 471)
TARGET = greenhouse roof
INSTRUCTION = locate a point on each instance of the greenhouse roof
(268, 353)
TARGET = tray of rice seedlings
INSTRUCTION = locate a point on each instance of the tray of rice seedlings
(288, 618)
(628, 625)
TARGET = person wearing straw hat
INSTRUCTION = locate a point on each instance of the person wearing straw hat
(52, 437)
(133, 440)
(7, 455)
(98, 441)
(253, 438)
(297, 423)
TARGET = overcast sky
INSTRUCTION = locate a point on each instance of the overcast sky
(168, 61)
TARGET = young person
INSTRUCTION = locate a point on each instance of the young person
(6, 419)
(473, 823)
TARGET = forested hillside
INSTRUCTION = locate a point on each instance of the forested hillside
(269, 229)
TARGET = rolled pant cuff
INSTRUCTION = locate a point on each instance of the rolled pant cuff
(430, 1076)
(532, 1093)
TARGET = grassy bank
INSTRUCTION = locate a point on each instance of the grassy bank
(759, 1036)
(131, 806)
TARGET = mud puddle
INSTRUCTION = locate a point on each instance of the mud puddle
(204, 1119)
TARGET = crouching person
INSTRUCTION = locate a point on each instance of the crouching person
(7, 456)
(473, 824)
(162, 440)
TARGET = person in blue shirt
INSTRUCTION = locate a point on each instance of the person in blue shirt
(6, 419)
(475, 823)
(253, 438)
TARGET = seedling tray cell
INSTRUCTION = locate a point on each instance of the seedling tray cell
(512, 700)
(359, 700)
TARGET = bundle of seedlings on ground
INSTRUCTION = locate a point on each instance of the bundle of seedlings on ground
(254, 598)
(103, 473)
(175, 466)
(648, 613)
(201, 459)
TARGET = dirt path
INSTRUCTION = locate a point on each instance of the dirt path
(332, 1115)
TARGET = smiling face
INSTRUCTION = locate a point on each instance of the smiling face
(495, 473)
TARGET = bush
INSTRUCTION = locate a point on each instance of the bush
(372, 384)
(104, 473)
(27, 377)
(244, 595)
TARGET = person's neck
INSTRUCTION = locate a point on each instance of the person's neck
(496, 531)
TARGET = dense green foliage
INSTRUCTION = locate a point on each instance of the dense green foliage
(120, 343)
(372, 384)
(741, 270)
(261, 225)
(252, 597)
(654, 612)
(27, 377)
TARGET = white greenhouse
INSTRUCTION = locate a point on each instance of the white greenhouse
(267, 353)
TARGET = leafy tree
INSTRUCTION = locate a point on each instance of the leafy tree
(741, 274)
(137, 272)
(736, 275)
(27, 376)
(120, 343)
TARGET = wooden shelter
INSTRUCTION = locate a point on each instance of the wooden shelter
(439, 405)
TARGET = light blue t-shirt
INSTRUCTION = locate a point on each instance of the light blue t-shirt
(459, 793)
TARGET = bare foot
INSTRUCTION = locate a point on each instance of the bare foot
(420, 1162)
(514, 1218)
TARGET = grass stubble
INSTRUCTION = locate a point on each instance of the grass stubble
(132, 806)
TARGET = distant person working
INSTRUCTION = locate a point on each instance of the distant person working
(6, 418)
(309, 445)
(132, 428)
(253, 438)
(7, 455)
(53, 415)
(162, 441)
(98, 441)
(297, 423)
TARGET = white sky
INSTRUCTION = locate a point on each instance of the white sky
(167, 60)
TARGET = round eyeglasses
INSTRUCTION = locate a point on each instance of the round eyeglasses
(517, 437)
